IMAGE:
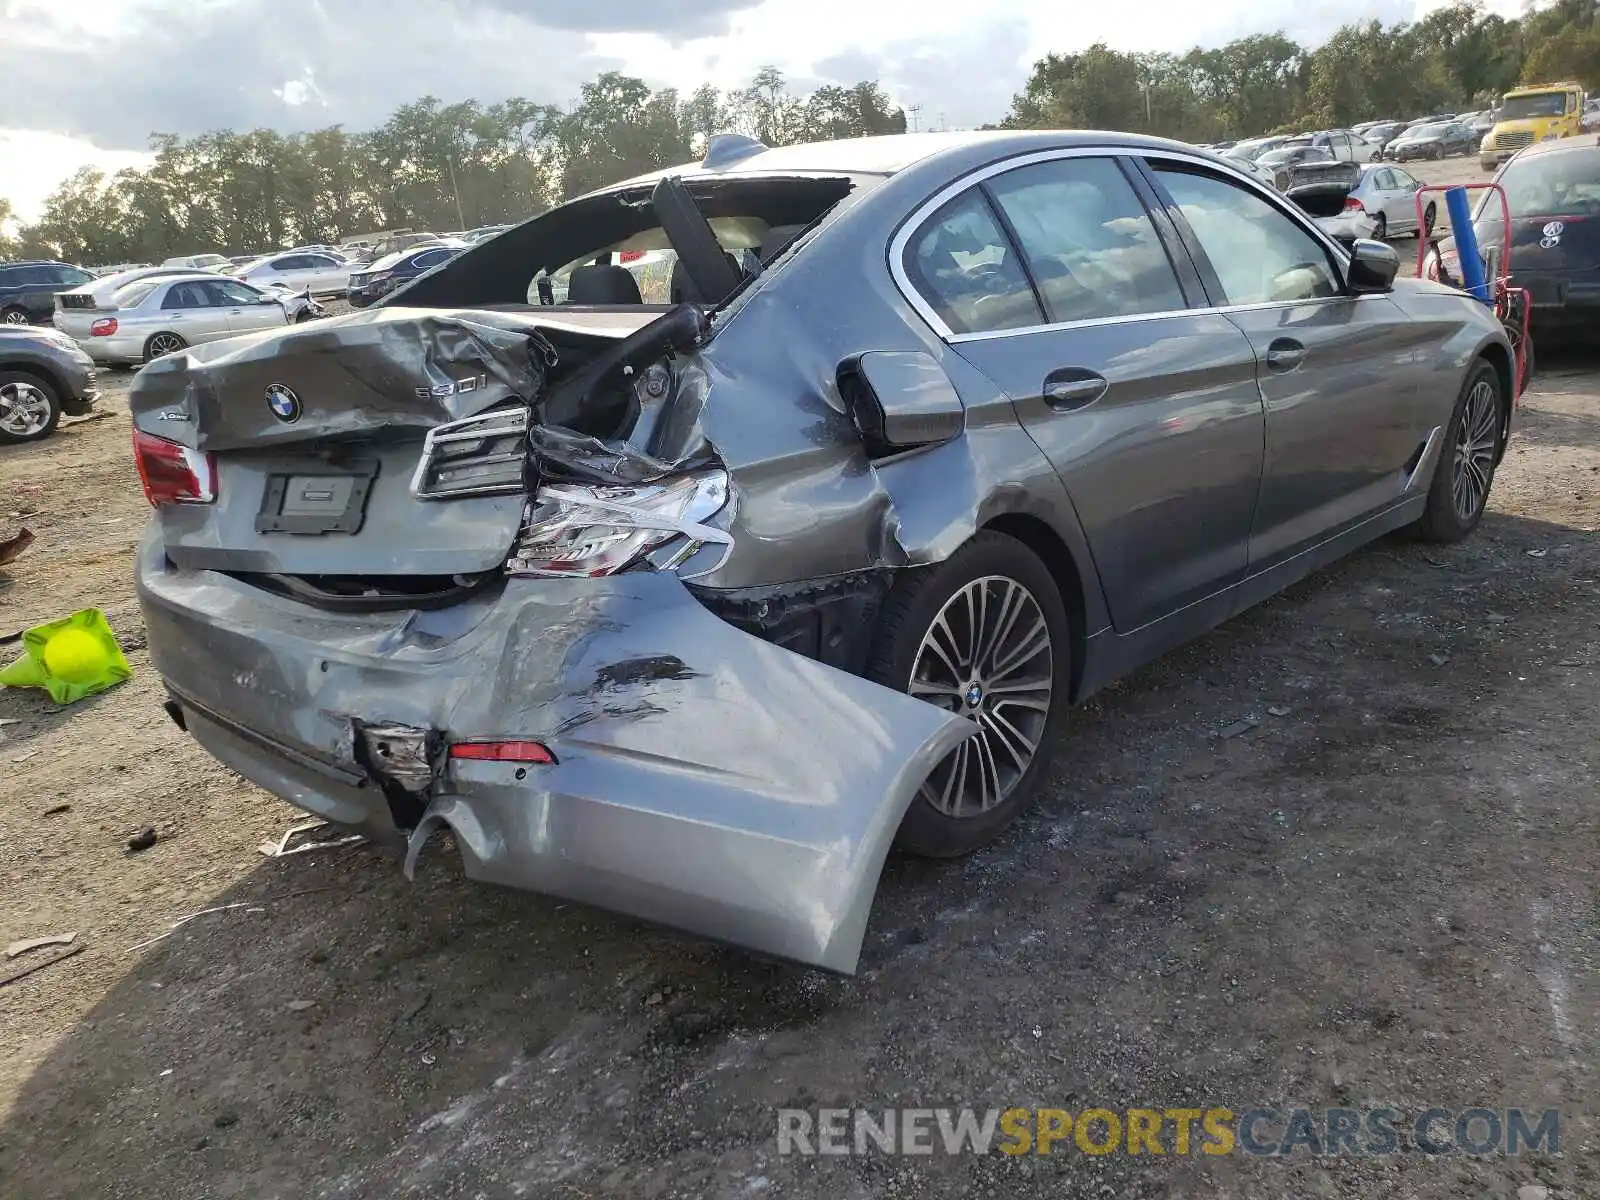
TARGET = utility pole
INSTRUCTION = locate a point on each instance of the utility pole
(450, 161)
(916, 117)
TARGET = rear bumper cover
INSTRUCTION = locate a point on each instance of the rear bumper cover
(706, 780)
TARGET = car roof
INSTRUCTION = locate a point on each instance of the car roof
(891, 153)
(1574, 145)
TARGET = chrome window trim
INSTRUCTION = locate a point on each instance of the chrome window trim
(913, 224)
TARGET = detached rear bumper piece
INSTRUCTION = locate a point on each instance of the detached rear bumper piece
(704, 779)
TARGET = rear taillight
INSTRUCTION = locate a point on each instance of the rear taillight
(508, 751)
(1351, 204)
(588, 532)
(104, 327)
(174, 474)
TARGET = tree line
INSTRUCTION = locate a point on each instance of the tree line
(1454, 58)
(429, 166)
(454, 166)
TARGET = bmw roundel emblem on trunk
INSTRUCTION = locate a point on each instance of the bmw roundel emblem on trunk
(285, 405)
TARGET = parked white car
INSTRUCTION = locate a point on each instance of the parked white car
(1388, 195)
(200, 262)
(152, 317)
(324, 274)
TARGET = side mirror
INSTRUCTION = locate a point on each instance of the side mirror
(1373, 266)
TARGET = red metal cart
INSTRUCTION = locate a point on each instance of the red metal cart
(1511, 304)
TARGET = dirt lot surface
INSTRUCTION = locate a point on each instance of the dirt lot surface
(1380, 892)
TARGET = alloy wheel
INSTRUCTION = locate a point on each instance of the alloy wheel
(14, 316)
(1473, 466)
(988, 657)
(24, 410)
(163, 344)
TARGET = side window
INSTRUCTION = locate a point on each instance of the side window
(186, 295)
(292, 262)
(1259, 254)
(1383, 180)
(431, 259)
(73, 277)
(227, 294)
(967, 270)
(1088, 240)
(26, 277)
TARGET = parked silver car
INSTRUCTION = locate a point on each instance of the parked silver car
(324, 274)
(152, 317)
(200, 262)
(1388, 195)
(690, 610)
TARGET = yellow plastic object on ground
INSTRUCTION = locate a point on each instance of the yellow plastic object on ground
(74, 657)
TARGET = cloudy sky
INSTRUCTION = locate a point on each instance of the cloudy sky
(89, 80)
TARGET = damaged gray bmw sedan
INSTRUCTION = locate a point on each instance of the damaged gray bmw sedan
(686, 546)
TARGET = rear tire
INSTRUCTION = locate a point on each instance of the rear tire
(1429, 216)
(162, 344)
(1464, 474)
(14, 316)
(987, 624)
(1380, 227)
(30, 408)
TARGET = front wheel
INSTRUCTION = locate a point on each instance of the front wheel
(29, 407)
(983, 634)
(14, 316)
(1465, 471)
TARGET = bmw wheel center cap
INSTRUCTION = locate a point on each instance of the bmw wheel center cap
(285, 405)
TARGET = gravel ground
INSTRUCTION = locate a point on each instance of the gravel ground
(1339, 852)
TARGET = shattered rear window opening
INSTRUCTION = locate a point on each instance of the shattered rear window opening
(621, 229)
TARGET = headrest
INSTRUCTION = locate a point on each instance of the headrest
(603, 285)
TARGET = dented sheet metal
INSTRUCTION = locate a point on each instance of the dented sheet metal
(705, 779)
(378, 371)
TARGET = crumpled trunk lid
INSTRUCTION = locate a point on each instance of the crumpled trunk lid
(316, 432)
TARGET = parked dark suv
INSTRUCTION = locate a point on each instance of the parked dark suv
(44, 375)
(28, 290)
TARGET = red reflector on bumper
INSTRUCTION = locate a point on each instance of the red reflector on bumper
(517, 752)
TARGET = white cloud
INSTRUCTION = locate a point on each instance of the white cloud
(33, 164)
(298, 92)
(94, 80)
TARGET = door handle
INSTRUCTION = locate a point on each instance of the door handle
(1073, 387)
(1285, 354)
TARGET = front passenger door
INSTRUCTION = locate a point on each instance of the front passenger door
(243, 306)
(1338, 373)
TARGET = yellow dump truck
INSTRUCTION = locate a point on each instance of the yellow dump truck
(1538, 112)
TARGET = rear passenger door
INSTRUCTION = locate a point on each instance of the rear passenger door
(1339, 373)
(191, 311)
(292, 270)
(1051, 277)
